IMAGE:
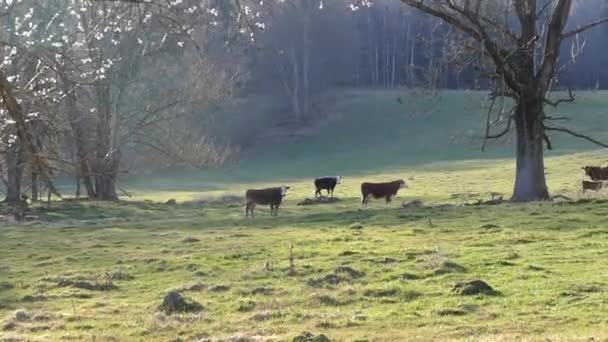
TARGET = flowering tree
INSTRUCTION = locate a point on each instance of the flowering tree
(86, 60)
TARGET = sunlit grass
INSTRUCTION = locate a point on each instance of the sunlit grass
(382, 275)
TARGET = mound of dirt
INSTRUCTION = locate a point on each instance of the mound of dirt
(319, 200)
(475, 287)
(175, 303)
(310, 337)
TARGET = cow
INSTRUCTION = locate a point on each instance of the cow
(326, 183)
(596, 173)
(593, 185)
(386, 190)
(269, 196)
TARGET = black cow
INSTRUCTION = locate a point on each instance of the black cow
(326, 183)
(270, 196)
(386, 190)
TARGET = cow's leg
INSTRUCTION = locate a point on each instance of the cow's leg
(389, 198)
(364, 201)
(318, 193)
(271, 210)
(249, 209)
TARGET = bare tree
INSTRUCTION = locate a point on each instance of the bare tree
(523, 40)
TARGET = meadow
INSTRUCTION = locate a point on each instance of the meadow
(78, 270)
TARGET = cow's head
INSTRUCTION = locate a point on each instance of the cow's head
(338, 179)
(284, 190)
(402, 184)
(588, 169)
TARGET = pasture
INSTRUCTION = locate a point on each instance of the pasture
(99, 271)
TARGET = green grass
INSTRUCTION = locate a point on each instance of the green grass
(386, 274)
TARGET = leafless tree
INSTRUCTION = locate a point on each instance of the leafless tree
(523, 40)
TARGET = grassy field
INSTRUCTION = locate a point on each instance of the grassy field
(97, 271)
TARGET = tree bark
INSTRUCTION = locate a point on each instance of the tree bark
(25, 137)
(35, 192)
(108, 153)
(14, 161)
(77, 124)
(530, 181)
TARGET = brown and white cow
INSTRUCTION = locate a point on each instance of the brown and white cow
(386, 190)
(596, 173)
(269, 196)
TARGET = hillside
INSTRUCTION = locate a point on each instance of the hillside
(371, 134)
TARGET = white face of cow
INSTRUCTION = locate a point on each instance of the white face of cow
(339, 180)
(403, 184)
(284, 190)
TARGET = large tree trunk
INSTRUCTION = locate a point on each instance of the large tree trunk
(108, 151)
(530, 182)
(14, 163)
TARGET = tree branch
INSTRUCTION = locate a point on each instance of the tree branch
(553, 44)
(575, 134)
(584, 28)
(571, 98)
(477, 32)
